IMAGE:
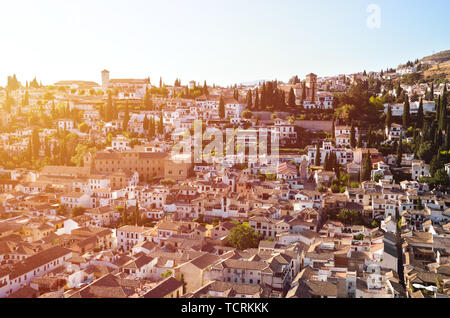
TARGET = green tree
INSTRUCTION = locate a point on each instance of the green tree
(436, 164)
(137, 214)
(257, 104)
(109, 108)
(333, 131)
(367, 168)
(406, 114)
(303, 92)
(420, 114)
(126, 118)
(249, 100)
(148, 104)
(8, 103)
(146, 124)
(26, 99)
(399, 153)
(359, 144)
(425, 151)
(83, 127)
(221, 108)
(352, 136)
(443, 109)
(389, 117)
(151, 127)
(291, 98)
(36, 143)
(247, 114)
(441, 178)
(447, 137)
(77, 211)
(125, 214)
(80, 151)
(205, 89)
(161, 124)
(317, 161)
(243, 237)
(326, 163)
(167, 274)
(13, 84)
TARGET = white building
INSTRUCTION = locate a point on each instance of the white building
(420, 169)
(35, 266)
(65, 124)
(121, 143)
(128, 236)
(344, 156)
(395, 132)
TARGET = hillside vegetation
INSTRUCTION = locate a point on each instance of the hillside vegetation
(440, 57)
(438, 72)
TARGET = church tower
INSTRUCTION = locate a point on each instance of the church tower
(105, 79)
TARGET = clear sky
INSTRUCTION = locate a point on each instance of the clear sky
(223, 42)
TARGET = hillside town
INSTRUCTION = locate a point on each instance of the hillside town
(96, 202)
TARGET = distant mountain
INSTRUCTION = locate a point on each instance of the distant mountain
(440, 57)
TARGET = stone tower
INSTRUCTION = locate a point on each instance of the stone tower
(105, 79)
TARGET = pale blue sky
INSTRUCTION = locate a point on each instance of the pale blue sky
(224, 42)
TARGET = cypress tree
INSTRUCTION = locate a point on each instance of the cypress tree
(303, 92)
(257, 104)
(367, 168)
(109, 108)
(161, 124)
(236, 94)
(7, 104)
(292, 103)
(205, 89)
(436, 164)
(369, 137)
(352, 136)
(443, 109)
(420, 114)
(447, 137)
(331, 161)
(281, 100)
(389, 117)
(36, 143)
(406, 114)
(438, 108)
(333, 131)
(136, 214)
(126, 118)
(146, 124)
(26, 99)
(221, 108)
(263, 100)
(317, 161)
(326, 163)
(30, 150)
(147, 100)
(151, 129)
(439, 139)
(249, 100)
(359, 145)
(337, 169)
(125, 215)
(399, 153)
